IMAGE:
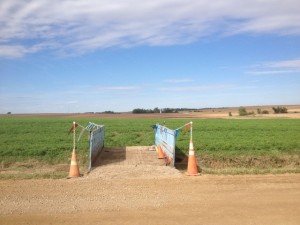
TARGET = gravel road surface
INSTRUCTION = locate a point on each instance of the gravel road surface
(207, 199)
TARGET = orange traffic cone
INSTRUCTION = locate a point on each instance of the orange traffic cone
(192, 169)
(74, 169)
(167, 160)
(161, 154)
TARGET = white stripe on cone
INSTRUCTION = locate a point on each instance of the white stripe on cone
(73, 163)
(191, 145)
(192, 152)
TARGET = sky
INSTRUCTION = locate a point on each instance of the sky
(69, 56)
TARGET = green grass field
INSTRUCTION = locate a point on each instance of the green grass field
(220, 143)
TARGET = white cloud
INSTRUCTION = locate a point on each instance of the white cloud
(196, 88)
(270, 72)
(77, 27)
(70, 102)
(12, 51)
(294, 63)
(178, 81)
(291, 66)
(118, 88)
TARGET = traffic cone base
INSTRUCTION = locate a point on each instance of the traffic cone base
(192, 169)
(161, 154)
(167, 161)
(74, 169)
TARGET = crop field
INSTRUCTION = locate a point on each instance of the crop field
(251, 144)
(40, 147)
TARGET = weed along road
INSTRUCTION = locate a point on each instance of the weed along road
(164, 199)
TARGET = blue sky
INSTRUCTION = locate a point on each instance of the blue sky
(79, 56)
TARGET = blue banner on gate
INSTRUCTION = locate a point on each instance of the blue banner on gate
(165, 138)
(96, 143)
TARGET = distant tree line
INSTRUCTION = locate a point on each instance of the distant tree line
(105, 112)
(243, 112)
(139, 110)
(109, 112)
(259, 111)
(155, 110)
(278, 109)
(172, 110)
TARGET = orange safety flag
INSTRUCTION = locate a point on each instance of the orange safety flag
(72, 128)
(187, 127)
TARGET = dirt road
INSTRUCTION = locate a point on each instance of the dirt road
(263, 199)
